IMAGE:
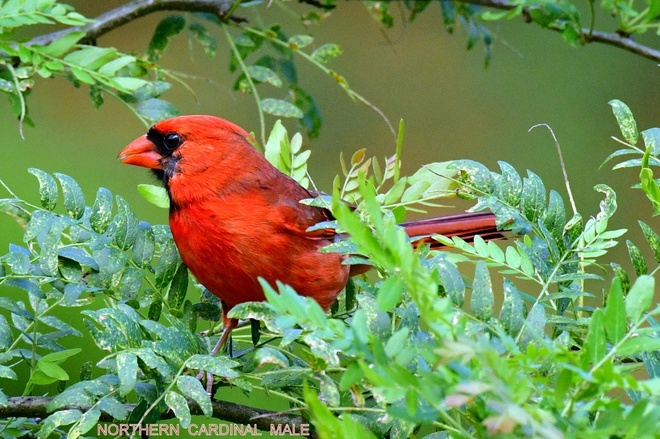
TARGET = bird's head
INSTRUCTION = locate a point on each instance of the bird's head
(193, 155)
(184, 144)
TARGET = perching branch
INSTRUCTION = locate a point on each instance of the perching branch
(587, 36)
(36, 407)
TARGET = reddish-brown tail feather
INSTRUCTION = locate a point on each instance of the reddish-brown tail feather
(464, 225)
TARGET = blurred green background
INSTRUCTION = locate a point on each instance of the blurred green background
(452, 106)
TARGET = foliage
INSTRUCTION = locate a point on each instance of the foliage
(651, 138)
(420, 350)
(258, 54)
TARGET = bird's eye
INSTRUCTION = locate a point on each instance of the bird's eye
(172, 141)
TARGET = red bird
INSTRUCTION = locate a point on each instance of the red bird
(234, 217)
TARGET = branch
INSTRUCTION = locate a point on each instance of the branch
(612, 39)
(124, 14)
(36, 407)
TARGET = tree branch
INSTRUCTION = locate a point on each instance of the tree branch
(36, 407)
(612, 39)
(124, 14)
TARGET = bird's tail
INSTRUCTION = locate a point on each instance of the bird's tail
(464, 225)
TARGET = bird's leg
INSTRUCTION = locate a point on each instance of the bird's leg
(229, 324)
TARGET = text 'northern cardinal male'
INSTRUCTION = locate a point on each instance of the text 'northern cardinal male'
(234, 217)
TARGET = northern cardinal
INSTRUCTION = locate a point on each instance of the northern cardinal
(235, 217)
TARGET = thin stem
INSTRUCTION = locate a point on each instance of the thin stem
(562, 164)
(253, 87)
(338, 78)
(21, 98)
(160, 397)
(399, 148)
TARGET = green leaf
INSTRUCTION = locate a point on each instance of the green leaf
(513, 313)
(389, 293)
(168, 27)
(626, 121)
(168, 263)
(311, 120)
(327, 52)
(178, 288)
(51, 371)
(534, 326)
(113, 408)
(127, 369)
(329, 392)
(126, 224)
(156, 195)
(47, 188)
(6, 337)
(74, 200)
(18, 262)
(269, 355)
(111, 68)
(218, 366)
(192, 388)
(90, 58)
(595, 345)
(451, 282)
(615, 313)
(57, 419)
(143, 249)
(638, 344)
(652, 135)
(649, 185)
(637, 259)
(205, 39)
(179, 406)
(152, 89)
(640, 297)
(300, 41)
(264, 74)
(482, 300)
(7, 372)
(533, 197)
(86, 422)
(101, 214)
(156, 110)
(62, 45)
(128, 84)
(328, 425)
(278, 107)
(511, 184)
(652, 238)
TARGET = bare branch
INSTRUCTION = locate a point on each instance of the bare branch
(625, 43)
(612, 39)
(124, 14)
(36, 407)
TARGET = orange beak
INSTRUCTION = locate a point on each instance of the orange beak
(141, 152)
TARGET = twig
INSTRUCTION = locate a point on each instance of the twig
(587, 35)
(124, 14)
(561, 163)
(36, 407)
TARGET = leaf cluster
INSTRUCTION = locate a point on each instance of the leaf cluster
(513, 338)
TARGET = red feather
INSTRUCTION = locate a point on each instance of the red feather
(234, 217)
